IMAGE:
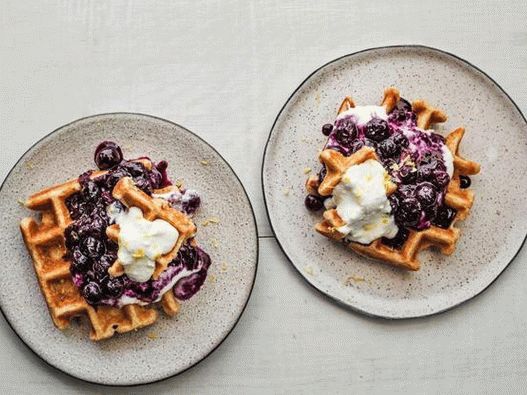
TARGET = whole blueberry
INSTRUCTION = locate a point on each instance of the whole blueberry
(408, 174)
(346, 136)
(426, 194)
(409, 212)
(326, 129)
(92, 247)
(377, 129)
(424, 173)
(80, 262)
(388, 148)
(107, 155)
(313, 203)
(444, 216)
(72, 237)
(440, 178)
(92, 293)
(401, 140)
(134, 169)
(114, 287)
(322, 173)
(464, 182)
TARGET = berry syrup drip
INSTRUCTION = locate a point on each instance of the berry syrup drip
(412, 157)
(92, 253)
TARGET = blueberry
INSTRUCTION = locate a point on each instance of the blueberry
(80, 262)
(388, 148)
(326, 129)
(108, 155)
(92, 293)
(403, 104)
(400, 140)
(191, 202)
(85, 177)
(155, 177)
(464, 182)
(322, 174)
(424, 173)
(162, 168)
(426, 194)
(72, 236)
(114, 177)
(188, 286)
(394, 202)
(399, 239)
(134, 169)
(409, 212)
(440, 178)
(100, 268)
(408, 174)
(345, 136)
(114, 287)
(143, 183)
(377, 129)
(92, 247)
(76, 205)
(444, 217)
(313, 203)
(90, 191)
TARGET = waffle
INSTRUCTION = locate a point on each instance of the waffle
(406, 256)
(46, 244)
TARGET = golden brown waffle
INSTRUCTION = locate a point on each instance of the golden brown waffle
(46, 244)
(457, 198)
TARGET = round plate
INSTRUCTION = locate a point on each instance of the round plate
(170, 345)
(495, 137)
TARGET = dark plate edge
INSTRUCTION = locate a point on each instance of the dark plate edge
(255, 268)
(338, 301)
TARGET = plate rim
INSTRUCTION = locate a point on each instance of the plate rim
(328, 295)
(144, 115)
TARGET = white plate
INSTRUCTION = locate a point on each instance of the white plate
(203, 322)
(495, 137)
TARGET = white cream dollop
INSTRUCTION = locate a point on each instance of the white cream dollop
(361, 201)
(364, 114)
(141, 242)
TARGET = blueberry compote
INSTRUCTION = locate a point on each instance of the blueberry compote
(414, 158)
(92, 253)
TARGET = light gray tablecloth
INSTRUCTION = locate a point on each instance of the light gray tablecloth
(224, 69)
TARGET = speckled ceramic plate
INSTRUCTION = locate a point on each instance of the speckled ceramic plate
(496, 137)
(171, 345)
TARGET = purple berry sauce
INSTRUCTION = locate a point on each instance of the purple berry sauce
(92, 253)
(412, 157)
